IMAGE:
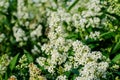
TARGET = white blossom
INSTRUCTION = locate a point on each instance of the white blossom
(37, 32)
(19, 34)
(61, 77)
(35, 50)
(41, 61)
(2, 37)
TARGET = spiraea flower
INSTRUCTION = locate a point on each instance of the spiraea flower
(61, 77)
(19, 34)
(2, 37)
(35, 73)
(4, 62)
(12, 78)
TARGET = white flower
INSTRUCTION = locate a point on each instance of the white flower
(35, 50)
(13, 77)
(61, 77)
(19, 34)
(37, 32)
(51, 69)
(94, 35)
(4, 4)
(41, 61)
(93, 70)
(4, 62)
(67, 66)
(2, 37)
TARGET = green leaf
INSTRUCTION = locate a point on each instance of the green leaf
(67, 73)
(118, 73)
(13, 5)
(29, 57)
(73, 4)
(116, 48)
(92, 46)
(75, 71)
(116, 58)
(117, 37)
(6, 76)
(1, 77)
(13, 62)
(73, 36)
(107, 35)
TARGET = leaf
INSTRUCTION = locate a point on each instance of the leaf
(118, 73)
(107, 35)
(75, 71)
(116, 48)
(13, 62)
(6, 76)
(67, 73)
(29, 57)
(117, 37)
(116, 58)
(92, 46)
(73, 4)
(72, 36)
(1, 77)
(13, 5)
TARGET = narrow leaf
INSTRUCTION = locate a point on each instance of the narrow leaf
(116, 58)
(13, 62)
(107, 35)
(72, 36)
(116, 48)
(75, 2)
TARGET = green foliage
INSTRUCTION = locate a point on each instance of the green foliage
(13, 62)
(116, 59)
(107, 35)
(116, 47)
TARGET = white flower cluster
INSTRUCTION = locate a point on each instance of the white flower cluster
(36, 49)
(2, 37)
(93, 71)
(32, 12)
(4, 62)
(35, 73)
(60, 55)
(94, 35)
(36, 33)
(13, 77)
(67, 54)
(87, 18)
(114, 6)
(61, 77)
(19, 34)
(22, 62)
(29, 16)
(4, 4)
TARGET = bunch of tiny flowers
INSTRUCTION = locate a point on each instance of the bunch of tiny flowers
(13, 77)
(81, 22)
(22, 63)
(76, 56)
(35, 73)
(4, 4)
(4, 62)
(62, 55)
